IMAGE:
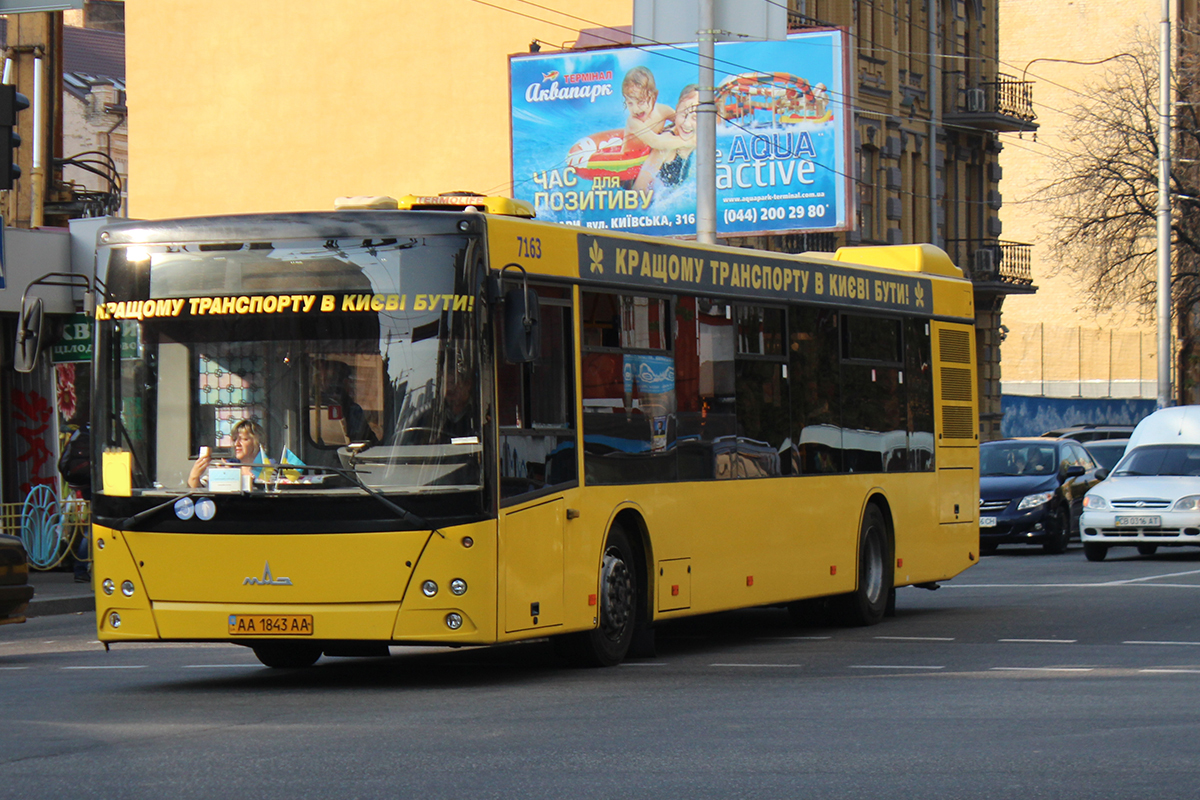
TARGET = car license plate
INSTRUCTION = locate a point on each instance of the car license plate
(987, 522)
(1139, 522)
(270, 624)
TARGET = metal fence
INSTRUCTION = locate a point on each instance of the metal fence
(76, 517)
(1042, 359)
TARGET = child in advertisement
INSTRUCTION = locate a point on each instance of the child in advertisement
(647, 116)
(671, 156)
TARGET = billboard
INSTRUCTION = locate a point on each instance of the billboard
(605, 139)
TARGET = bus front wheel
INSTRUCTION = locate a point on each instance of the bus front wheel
(287, 655)
(608, 644)
(868, 602)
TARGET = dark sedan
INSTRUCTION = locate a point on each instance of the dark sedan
(1031, 492)
(15, 590)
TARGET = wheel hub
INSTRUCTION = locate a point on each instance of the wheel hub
(616, 596)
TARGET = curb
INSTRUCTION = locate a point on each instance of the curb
(60, 605)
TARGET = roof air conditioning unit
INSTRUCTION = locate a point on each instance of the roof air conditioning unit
(985, 263)
(976, 100)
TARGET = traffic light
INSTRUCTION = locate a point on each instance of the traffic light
(11, 102)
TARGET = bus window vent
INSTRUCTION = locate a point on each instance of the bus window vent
(955, 346)
(956, 422)
(956, 384)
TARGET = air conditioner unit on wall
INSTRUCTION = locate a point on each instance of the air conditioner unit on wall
(985, 263)
(976, 100)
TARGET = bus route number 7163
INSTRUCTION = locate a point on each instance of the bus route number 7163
(529, 246)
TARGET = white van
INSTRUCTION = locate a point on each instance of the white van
(1152, 497)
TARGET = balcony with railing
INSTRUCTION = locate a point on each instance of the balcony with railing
(1005, 104)
(1002, 265)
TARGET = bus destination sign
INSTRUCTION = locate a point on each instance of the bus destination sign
(629, 264)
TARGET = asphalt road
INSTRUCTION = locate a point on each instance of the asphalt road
(1029, 676)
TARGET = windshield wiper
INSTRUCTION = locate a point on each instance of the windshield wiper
(402, 513)
(130, 522)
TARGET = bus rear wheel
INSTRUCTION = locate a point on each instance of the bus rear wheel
(287, 655)
(868, 602)
(608, 644)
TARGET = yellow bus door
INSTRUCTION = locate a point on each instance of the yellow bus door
(531, 546)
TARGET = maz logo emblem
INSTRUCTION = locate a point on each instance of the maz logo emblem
(266, 579)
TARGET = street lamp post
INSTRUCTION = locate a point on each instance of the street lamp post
(1165, 394)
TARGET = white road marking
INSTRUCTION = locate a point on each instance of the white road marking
(12, 669)
(1178, 644)
(893, 666)
(917, 638)
(1041, 669)
(644, 664)
(1152, 578)
(220, 666)
(792, 666)
(802, 638)
(1128, 582)
(112, 666)
(1172, 671)
(1041, 641)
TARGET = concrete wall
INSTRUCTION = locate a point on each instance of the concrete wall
(288, 104)
(1056, 338)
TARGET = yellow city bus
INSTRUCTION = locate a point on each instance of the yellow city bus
(328, 433)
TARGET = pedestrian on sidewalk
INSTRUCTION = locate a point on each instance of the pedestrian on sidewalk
(75, 466)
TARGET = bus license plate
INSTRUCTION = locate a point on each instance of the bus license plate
(270, 624)
(1139, 522)
(987, 522)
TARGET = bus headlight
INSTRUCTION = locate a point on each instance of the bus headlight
(114, 620)
(458, 586)
(108, 586)
(127, 588)
(429, 588)
(453, 621)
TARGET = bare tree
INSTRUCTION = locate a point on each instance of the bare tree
(1102, 199)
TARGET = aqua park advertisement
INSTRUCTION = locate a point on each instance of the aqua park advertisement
(606, 139)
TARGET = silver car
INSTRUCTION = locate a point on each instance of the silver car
(1151, 499)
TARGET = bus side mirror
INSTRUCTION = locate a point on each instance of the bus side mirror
(522, 326)
(29, 336)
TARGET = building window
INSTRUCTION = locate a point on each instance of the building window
(868, 191)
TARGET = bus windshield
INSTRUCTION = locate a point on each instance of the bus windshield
(326, 366)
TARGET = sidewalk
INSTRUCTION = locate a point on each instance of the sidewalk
(57, 593)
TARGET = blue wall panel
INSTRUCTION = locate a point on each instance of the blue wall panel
(1033, 416)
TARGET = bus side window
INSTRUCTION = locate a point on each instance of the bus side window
(764, 444)
(628, 389)
(918, 381)
(537, 405)
(875, 412)
(814, 371)
(705, 343)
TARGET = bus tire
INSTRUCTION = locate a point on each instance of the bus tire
(869, 600)
(608, 643)
(287, 655)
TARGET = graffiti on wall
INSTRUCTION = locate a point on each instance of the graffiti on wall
(32, 414)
